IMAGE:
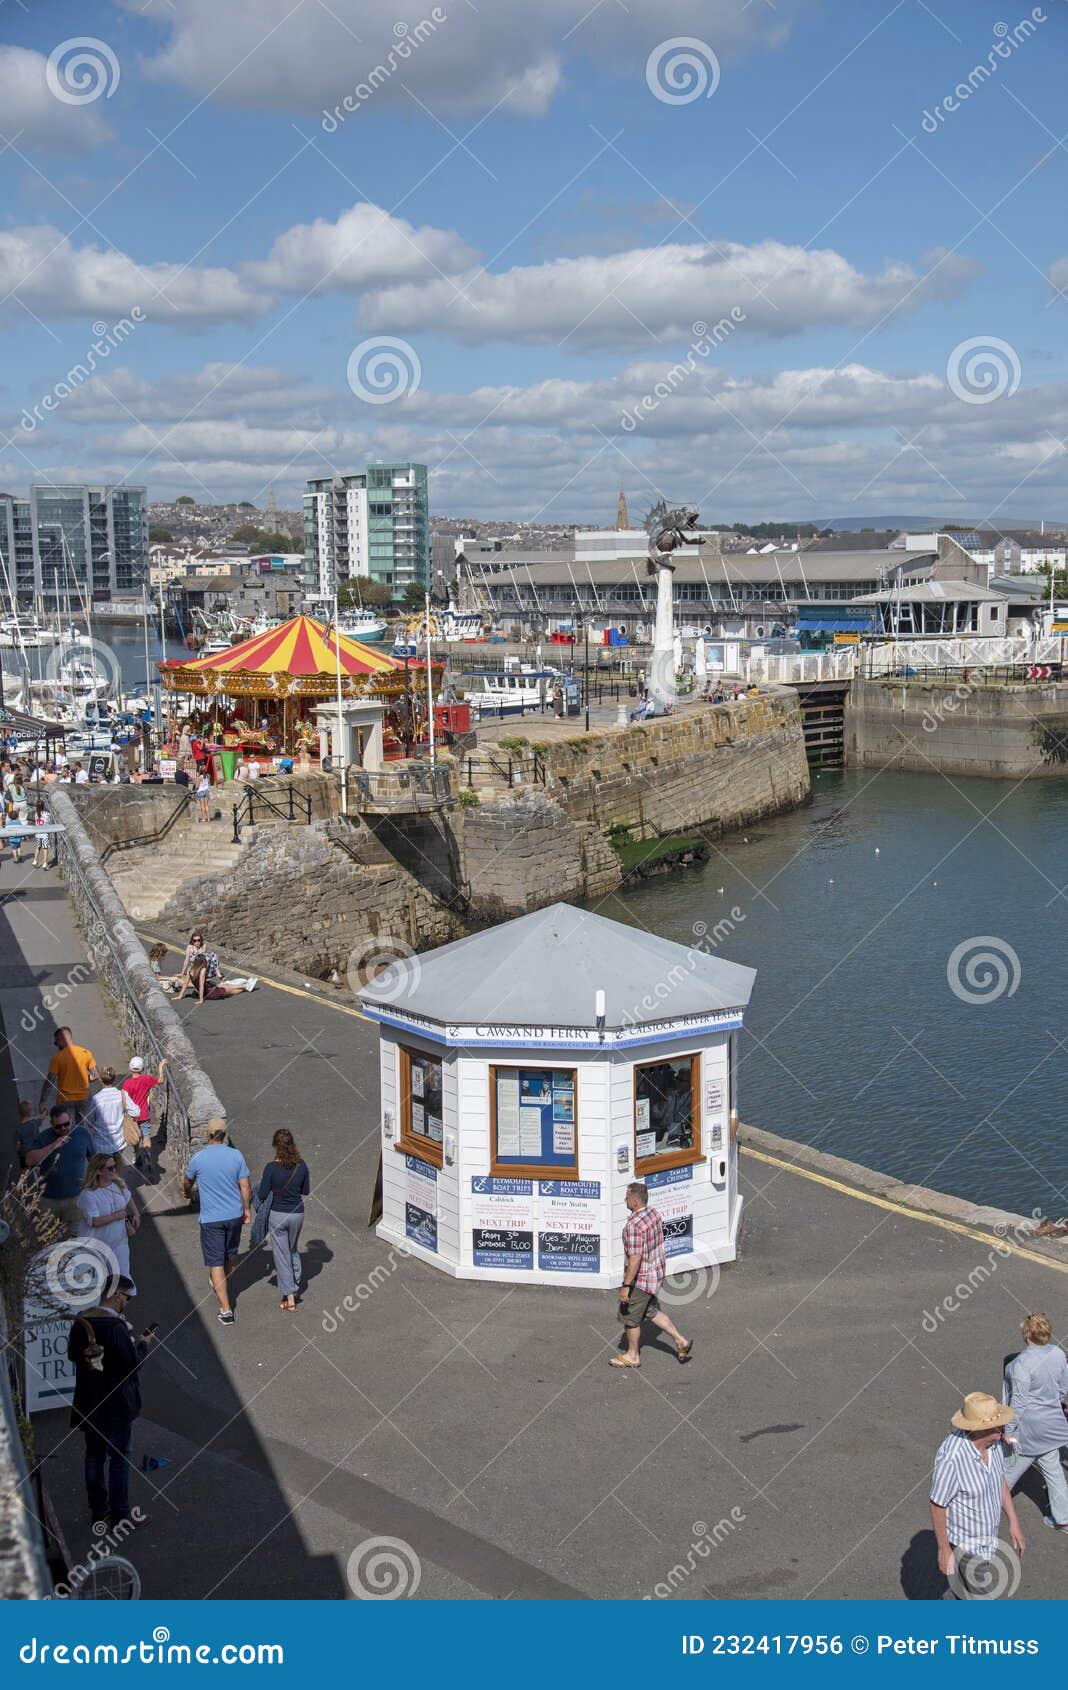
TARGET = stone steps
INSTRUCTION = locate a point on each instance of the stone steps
(146, 878)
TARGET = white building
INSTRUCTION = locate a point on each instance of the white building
(530, 1073)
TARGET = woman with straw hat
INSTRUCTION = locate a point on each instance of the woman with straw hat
(1036, 1383)
(969, 1495)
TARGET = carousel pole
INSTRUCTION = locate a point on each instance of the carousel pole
(340, 735)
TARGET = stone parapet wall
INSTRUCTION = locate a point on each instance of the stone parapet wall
(149, 1022)
(958, 728)
(712, 768)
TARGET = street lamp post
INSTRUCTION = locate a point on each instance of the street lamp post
(586, 666)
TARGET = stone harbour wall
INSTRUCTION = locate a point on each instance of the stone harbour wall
(299, 899)
(712, 768)
(957, 728)
(526, 851)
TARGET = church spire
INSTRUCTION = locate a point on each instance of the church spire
(622, 519)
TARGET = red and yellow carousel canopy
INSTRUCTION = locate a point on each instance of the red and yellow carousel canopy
(300, 647)
(298, 659)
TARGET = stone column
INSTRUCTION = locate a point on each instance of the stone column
(662, 667)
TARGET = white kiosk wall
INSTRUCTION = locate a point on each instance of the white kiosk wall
(478, 1219)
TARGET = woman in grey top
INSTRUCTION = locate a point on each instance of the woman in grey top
(1036, 1383)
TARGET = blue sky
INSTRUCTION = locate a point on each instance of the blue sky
(512, 205)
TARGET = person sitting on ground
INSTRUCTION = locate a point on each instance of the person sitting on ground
(107, 1114)
(199, 979)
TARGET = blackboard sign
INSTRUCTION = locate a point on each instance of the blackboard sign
(678, 1234)
(501, 1248)
(569, 1252)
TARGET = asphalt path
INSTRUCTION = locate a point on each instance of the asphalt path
(479, 1427)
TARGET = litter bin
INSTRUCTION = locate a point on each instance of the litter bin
(228, 760)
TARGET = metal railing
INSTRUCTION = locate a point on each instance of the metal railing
(977, 674)
(287, 811)
(149, 838)
(405, 787)
(514, 771)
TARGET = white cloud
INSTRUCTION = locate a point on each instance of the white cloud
(32, 116)
(802, 442)
(652, 294)
(1057, 274)
(52, 276)
(270, 53)
(365, 248)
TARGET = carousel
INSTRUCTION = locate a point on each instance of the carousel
(264, 697)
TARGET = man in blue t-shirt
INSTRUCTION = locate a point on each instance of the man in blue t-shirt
(221, 1176)
(61, 1152)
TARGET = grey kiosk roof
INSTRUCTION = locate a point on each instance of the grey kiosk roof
(545, 969)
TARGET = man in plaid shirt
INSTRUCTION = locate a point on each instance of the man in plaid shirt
(643, 1245)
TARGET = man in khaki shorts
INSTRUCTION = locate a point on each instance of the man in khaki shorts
(643, 1244)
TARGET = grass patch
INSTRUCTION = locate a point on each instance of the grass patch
(642, 855)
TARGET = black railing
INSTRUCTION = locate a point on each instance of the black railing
(297, 807)
(149, 838)
(514, 771)
(975, 674)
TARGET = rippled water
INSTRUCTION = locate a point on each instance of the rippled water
(856, 1041)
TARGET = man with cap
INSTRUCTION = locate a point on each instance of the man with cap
(139, 1085)
(969, 1495)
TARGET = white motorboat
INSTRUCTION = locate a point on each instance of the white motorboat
(504, 692)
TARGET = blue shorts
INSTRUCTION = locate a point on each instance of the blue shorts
(220, 1241)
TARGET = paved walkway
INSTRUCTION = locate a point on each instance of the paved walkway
(482, 1425)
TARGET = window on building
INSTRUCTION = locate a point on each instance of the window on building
(667, 1114)
(533, 1124)
(420, 1105)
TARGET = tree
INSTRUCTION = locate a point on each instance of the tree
(185, 500)
(160, 537)
(414, 594)
(246, 505)
(364, 591)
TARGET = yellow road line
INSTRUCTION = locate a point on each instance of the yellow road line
(265, 980)
(902, 1209)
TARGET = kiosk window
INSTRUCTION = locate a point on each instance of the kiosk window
(667, 1114)
(420, 1106)
(533, 1122)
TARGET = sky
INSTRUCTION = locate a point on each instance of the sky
(803, 260)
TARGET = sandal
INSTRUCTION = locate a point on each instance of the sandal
(684, 1351)
(623, 1361)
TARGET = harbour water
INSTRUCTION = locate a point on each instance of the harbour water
(877, 1031)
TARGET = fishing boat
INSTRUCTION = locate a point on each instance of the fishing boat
(362, 625)
(506, 692)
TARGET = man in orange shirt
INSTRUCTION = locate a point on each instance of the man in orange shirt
(70, 1071)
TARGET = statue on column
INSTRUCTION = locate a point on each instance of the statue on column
(675, 529)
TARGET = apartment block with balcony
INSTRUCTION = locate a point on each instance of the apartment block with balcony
(372, 523)
(73, 542)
